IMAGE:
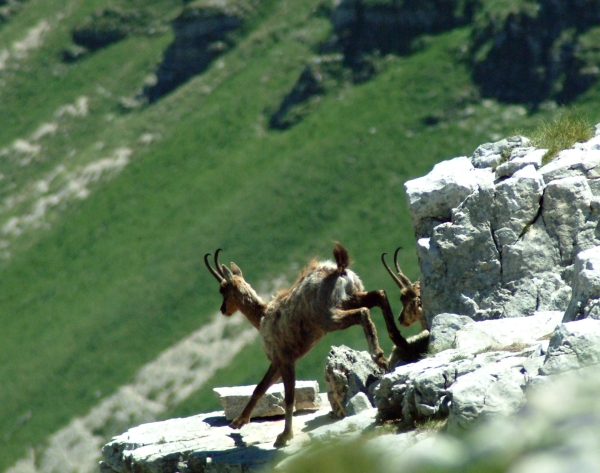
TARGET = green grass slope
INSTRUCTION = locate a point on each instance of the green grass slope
(106, 280)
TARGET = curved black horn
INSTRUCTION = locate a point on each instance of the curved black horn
(217, 264)
(217, 276)
(401, 275)
(396, 259)
(394, 277)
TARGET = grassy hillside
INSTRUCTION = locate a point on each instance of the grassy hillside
(103, 270)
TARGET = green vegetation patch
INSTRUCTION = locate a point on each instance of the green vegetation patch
(567, 127)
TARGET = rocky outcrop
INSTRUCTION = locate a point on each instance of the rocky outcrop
(111, 25)
(483, 369)
(349, 373)
(196, 444)
(545, 49)
(385, 26)
(202, 32)
(363, 30)
(498, 232)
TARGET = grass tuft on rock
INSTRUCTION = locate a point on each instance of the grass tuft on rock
(567, 127)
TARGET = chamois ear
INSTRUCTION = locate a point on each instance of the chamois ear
(235, 269)
(227, 273)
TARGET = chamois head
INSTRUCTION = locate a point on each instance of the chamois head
(410, 295)
(230, 280)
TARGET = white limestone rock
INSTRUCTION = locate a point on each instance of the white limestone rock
(347, 373)
(496, 388)
(579, 161)
(355, 424)
(503, 333)
(358, 403)
(565, 211)
(432, 198)
(443, 331)
(502, 243)
(511, 350)
(489, 155)
(201, 443)
(586, 286)
(573, 345)
(516, 205)
(519, 159)
(234, 399)
(557, 432)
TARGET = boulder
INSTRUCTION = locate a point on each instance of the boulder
(347, 373)
(357, 404)
(586, 286)
(234, 399)
(496, 388)
(443, 331)
(573, 345)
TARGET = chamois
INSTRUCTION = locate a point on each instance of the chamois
(326, 297)
(412, 312)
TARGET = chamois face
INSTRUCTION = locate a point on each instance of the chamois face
(231, 289)
(412, 311)
(230, 282)
(410, 294)
(228, 291)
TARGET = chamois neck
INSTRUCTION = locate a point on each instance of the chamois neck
(251, 305)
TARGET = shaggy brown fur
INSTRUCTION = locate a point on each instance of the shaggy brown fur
(326, 297)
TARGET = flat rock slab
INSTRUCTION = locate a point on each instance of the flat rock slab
(205, 443)
(272, 403)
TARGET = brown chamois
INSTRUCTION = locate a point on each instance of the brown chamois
(327, 297)
(412, 312)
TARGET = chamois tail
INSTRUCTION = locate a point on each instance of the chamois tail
(341, 257)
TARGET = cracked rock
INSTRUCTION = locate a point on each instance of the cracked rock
(497, 233)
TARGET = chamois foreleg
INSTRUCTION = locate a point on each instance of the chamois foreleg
(288, 374)
(379, 299)
(271, 376)
(343, 319)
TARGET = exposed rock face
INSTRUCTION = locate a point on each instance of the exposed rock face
(498, 233)
(558, 439)
(469, 382)
(234, 399)
(347, 373)
(111, 25)
(586, 286)
(202, 32)
(391, 26)
(545, 49)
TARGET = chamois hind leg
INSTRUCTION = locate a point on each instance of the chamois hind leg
(379, 299)
(288, 374)
(269, 378)
(342, 319)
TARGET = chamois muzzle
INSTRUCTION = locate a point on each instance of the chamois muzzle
(217, 273)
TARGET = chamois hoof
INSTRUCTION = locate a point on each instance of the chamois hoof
(381, 361)
(283, 438)
(238, 422)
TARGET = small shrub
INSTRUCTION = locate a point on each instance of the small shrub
(563, 131)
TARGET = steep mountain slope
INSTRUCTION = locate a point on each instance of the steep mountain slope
(108, 205)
